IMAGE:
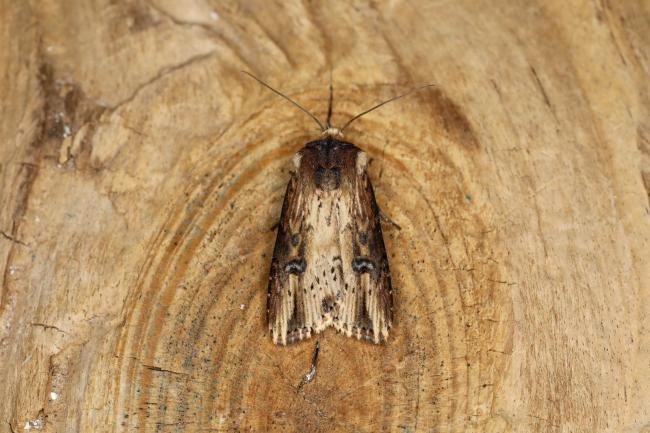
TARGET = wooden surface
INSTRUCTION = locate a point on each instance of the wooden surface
(141, 175)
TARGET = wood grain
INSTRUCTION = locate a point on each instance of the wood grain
(141, 175)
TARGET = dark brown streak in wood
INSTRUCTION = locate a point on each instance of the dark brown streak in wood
(543, 91)
(12, 239)
(46, 327)
(163, 370)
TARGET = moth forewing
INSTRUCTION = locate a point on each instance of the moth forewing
(329, 264)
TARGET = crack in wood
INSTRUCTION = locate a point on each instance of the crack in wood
(12, 239)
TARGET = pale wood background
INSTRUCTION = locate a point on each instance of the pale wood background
(141, 174)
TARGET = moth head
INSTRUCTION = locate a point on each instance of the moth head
(332, 132)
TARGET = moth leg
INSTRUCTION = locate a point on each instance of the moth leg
(308, 377)
(387, 219)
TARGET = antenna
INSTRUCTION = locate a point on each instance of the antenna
(327, 128)
(329, 105)
(383, 103)
(291, 100)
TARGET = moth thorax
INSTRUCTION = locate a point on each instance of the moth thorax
(362, 162)
(328, 179)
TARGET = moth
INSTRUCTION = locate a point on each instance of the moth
(329, 265)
